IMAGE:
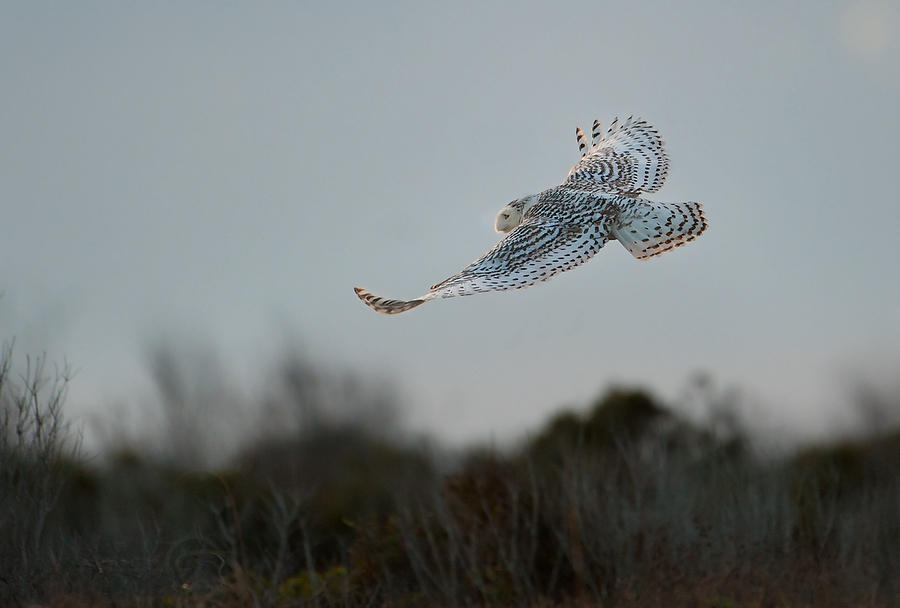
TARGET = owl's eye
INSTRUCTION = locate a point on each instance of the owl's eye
(506, 216)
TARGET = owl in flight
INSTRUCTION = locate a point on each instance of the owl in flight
(562, 227)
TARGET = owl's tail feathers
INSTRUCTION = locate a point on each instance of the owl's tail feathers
(650, 229)
(383, 305)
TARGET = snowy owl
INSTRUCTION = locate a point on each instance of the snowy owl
(564, 226)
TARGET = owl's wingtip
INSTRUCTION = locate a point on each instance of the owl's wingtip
(383, 305)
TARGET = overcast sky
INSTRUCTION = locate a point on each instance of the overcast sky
(227, 172)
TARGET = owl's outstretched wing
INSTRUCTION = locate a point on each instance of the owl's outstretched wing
(535, 251)
(628, 160)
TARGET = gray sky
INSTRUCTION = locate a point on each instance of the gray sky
(229, 171)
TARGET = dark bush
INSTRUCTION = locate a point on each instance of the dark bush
(626, 504)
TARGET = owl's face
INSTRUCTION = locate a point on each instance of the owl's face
(508, 218)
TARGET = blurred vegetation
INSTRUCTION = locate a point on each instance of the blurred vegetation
(624, 504)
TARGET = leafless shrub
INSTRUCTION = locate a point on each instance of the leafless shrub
(35, 447)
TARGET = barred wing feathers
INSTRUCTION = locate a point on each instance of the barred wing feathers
(537, 250)
(630, 159)
(384, 305)
(649, 228)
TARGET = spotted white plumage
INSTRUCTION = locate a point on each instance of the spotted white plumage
(630, 159)
(564, 226)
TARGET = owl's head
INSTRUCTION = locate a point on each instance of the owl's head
(511, 215)
(508, 218)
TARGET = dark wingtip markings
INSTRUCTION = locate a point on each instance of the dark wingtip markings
(385, 306)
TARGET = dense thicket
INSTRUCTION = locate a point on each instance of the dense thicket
(625, 504)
